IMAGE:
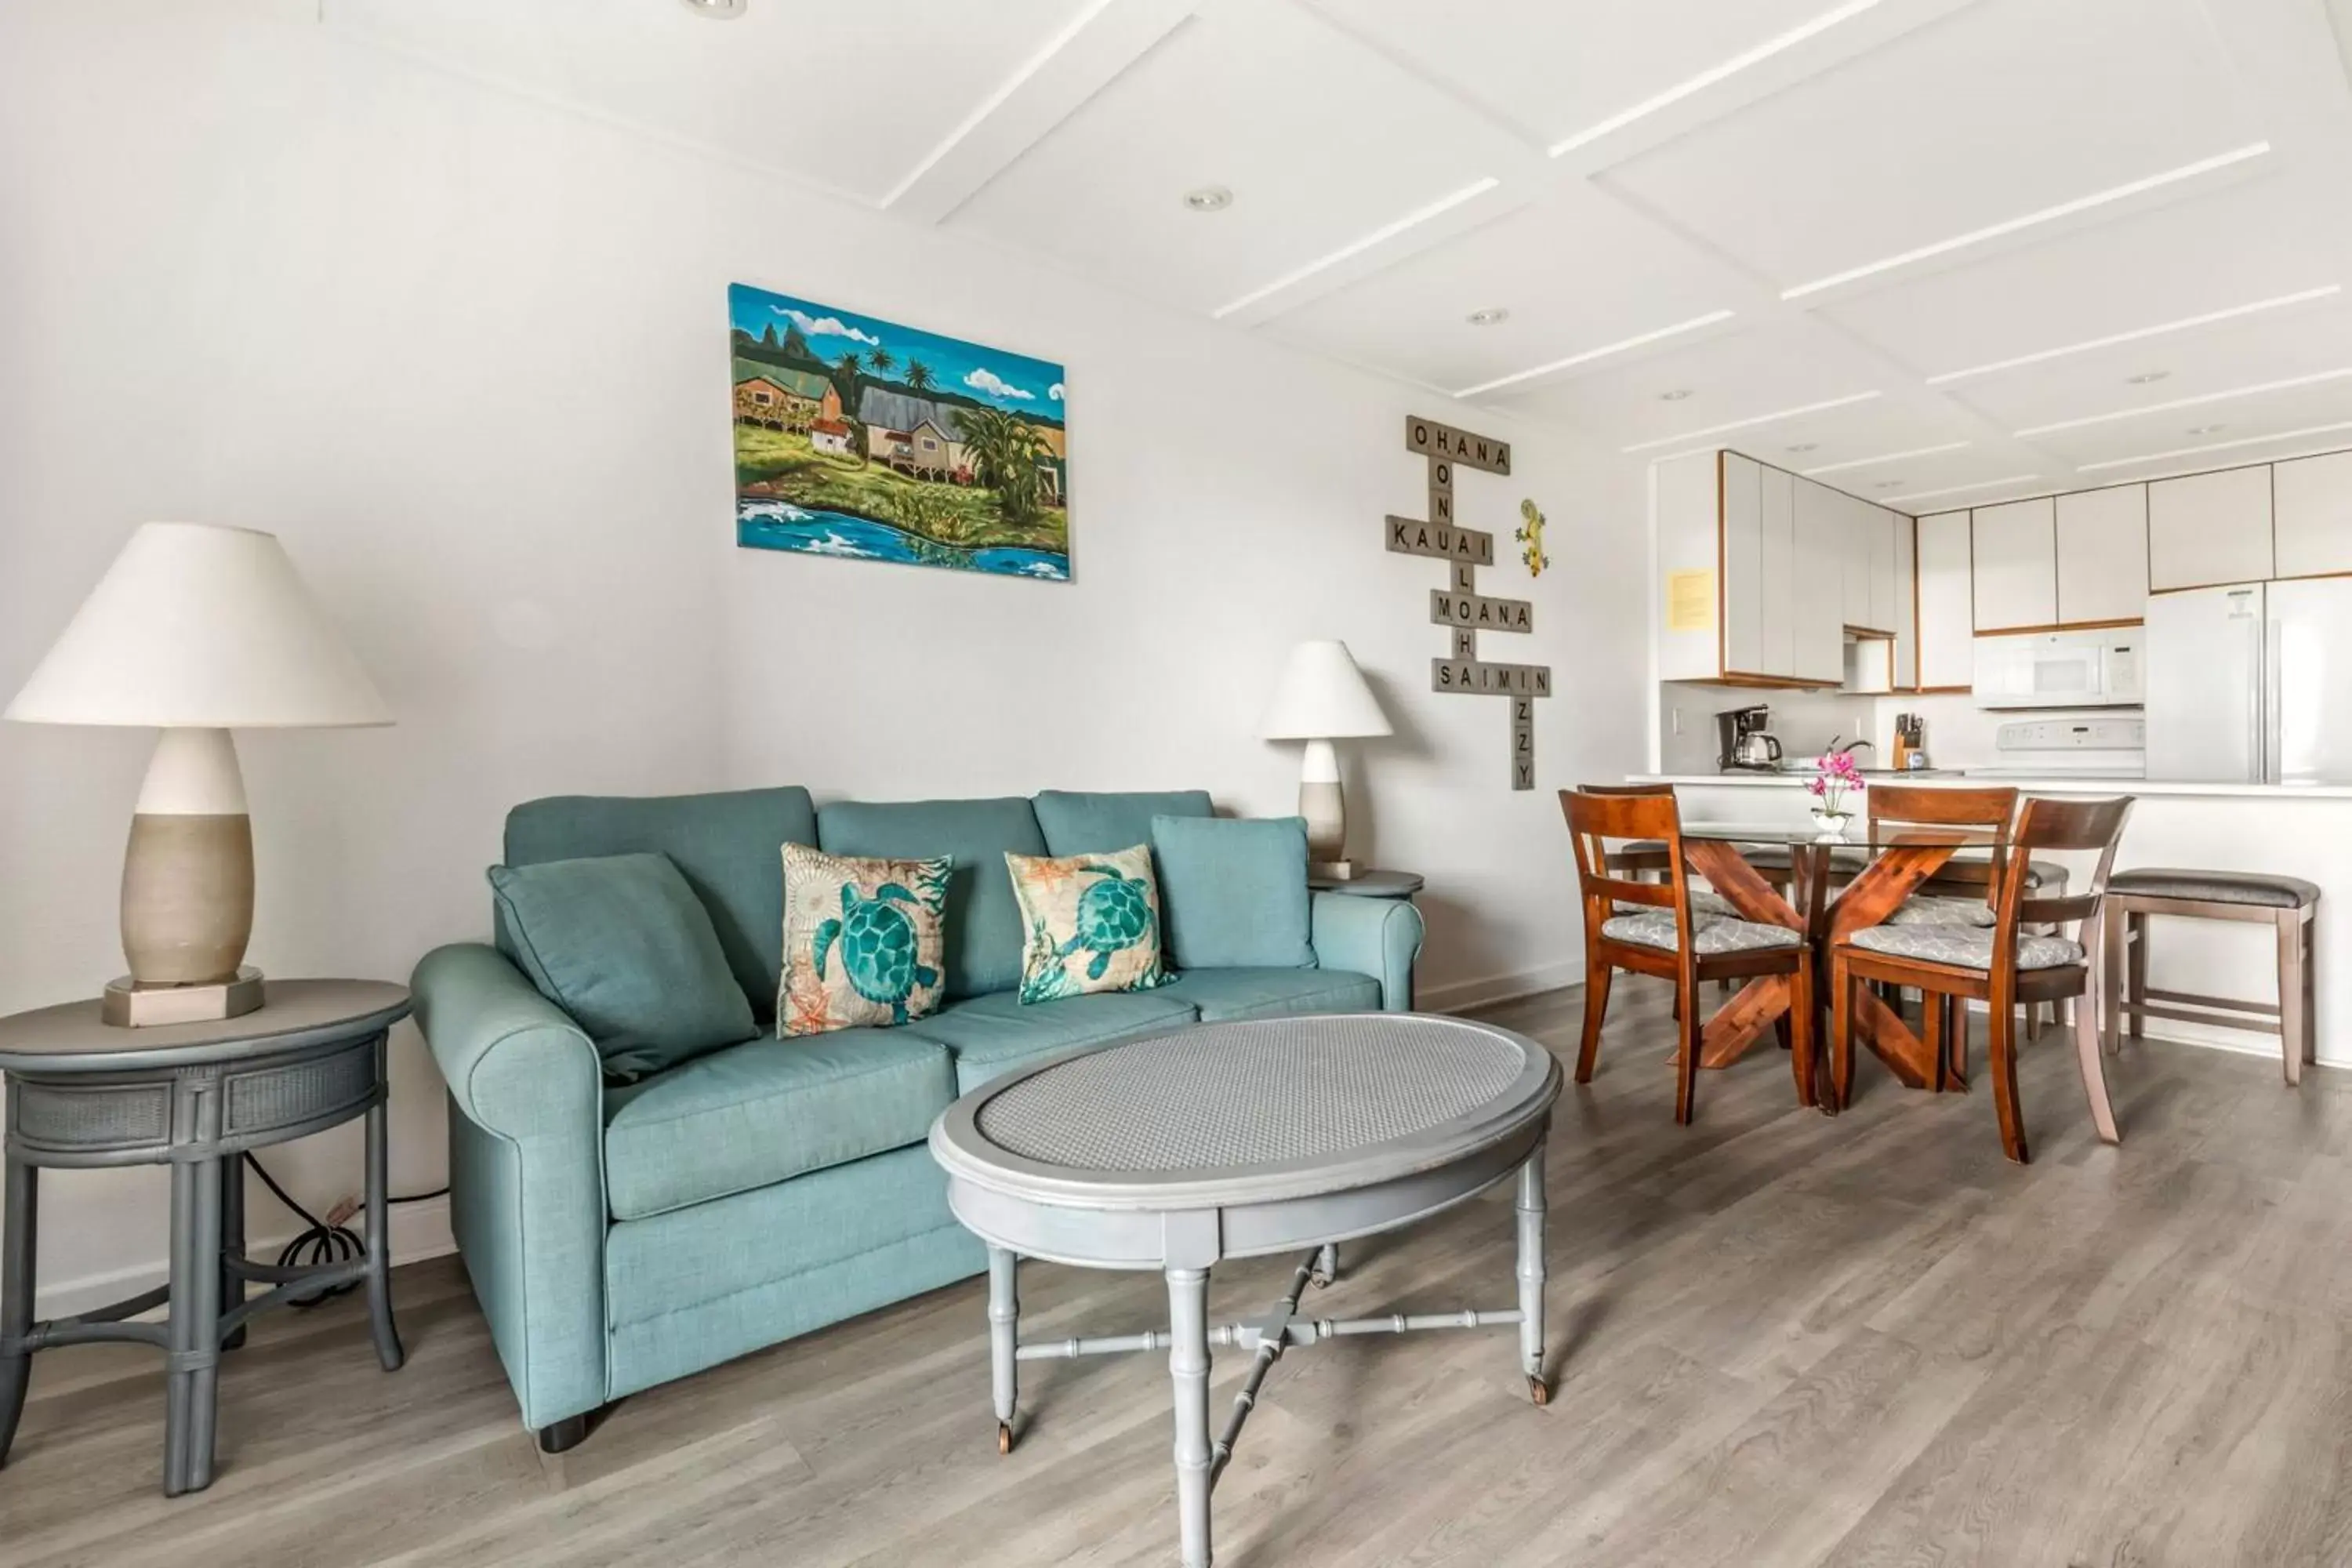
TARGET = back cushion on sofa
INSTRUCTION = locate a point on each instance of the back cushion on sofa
(983, 923)
(1079, 823)
(728, 846)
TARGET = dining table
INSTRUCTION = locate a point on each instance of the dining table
(1836, 884)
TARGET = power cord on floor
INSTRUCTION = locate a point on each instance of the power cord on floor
(328, 1240)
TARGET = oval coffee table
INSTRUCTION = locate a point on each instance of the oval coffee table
(1236, 1141)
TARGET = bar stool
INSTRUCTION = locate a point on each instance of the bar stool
(2288, 903)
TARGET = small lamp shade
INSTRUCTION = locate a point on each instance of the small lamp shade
(200, 626)
(1322, 696)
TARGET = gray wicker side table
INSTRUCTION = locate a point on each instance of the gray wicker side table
(1236, 1141)
(82, 1094)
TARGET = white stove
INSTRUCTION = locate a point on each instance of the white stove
(2070, 748)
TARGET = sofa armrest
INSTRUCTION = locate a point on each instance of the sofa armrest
(1379, 937)
(526, 1171)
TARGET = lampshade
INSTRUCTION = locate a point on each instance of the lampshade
(1322, 696)
(202, 627)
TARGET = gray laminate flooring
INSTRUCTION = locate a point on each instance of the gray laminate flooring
(1778, 1339)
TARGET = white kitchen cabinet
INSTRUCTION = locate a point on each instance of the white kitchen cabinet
(2209, 529)
(1743, 561)
(1880, 530)
(2103, 555)
(1947, 631)
(2015, 560)
(1776, 579)
(1854, 542)
(2312, 528)
(1906, 603)
(1821, 537)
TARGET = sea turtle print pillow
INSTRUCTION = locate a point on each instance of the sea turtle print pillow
(1093, 922)
(863, 941)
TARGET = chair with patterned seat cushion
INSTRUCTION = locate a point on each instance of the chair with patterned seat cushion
(1666, 936)
(2009, 963)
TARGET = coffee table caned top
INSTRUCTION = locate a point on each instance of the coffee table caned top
(1253, 1111)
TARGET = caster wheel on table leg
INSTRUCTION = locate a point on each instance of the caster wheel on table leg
(1004, 1436)
(1539, 1391)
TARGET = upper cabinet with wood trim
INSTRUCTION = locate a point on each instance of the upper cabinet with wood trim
(1945, 629)
(1824, 541)
(2208, 528)
(1906, 603)
(2016, 565)
(2312, 528)
(2103, 555)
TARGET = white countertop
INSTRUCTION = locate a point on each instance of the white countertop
(2047, 784)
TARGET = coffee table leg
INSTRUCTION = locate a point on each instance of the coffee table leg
(232, 1284)
(16, 1235)
(1531, 1206)
(1003, 1340)
(1326, 1265)
(1187, 1372)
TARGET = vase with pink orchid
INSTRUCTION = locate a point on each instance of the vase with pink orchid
(1835, 774)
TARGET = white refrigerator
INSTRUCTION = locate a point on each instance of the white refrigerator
(2251, 683)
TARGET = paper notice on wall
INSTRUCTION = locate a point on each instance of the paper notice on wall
(1690, 601)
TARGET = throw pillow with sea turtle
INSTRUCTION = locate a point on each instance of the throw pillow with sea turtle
(863, 941)
(1093, 924)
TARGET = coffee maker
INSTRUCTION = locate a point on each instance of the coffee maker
(1743, 744)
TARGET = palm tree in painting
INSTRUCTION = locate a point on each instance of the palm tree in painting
(882, 360)
(852, 362)
(918, 377)
(1005, 453)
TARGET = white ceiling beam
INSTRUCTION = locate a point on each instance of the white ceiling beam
(1086, 55)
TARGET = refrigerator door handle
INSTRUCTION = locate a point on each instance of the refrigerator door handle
(2257, 757)
(2273, 701)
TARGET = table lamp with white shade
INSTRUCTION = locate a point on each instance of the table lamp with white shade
(1322, 697)
(194, 630)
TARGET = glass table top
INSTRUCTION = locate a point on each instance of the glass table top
(1860, 838)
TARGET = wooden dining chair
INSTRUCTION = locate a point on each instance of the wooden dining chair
(1893, 807)
(1651, 928)
(2000, 965)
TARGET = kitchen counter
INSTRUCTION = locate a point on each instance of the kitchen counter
(2040, 784)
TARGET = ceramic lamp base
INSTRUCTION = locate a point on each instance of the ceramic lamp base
(129, 1005)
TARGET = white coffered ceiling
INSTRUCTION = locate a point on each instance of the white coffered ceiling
(1941, 249)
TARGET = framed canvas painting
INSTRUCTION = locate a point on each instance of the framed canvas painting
(857, 437)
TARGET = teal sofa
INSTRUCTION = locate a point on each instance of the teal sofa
(621, 1236)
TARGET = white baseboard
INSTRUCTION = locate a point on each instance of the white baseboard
(419, 1230)
(1461, 995)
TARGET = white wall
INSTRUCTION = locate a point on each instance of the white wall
(466, 353)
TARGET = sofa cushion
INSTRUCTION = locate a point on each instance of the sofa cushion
(863, 941)
(767, 1110)
(992, 1035)
(983, 923)
(1075, 824)
(1234, 892)
(622, 944)
(724, 844)
(1222, 993)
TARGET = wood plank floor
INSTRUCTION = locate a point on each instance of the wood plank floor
(1778, 1339)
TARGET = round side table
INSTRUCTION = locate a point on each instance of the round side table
(84, 1094)
(1369, 884)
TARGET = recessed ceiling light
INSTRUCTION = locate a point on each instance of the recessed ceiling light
(717, 10)
(2147, 377)
(1804, 446)
(2207, 429)
(1487, 317)
(1676, 395)
(1209, 199)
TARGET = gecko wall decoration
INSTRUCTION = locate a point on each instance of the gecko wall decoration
(1460, 606)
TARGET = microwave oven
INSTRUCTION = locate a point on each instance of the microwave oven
(2102, 668)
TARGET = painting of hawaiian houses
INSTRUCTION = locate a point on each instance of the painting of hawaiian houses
(858, 437)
